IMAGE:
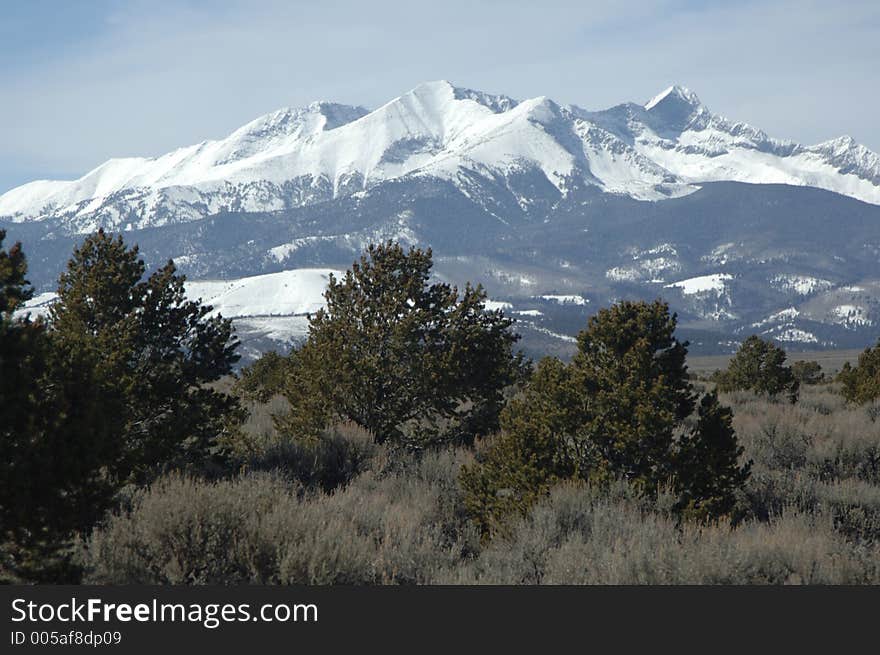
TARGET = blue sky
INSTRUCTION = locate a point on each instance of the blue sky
(83, 81)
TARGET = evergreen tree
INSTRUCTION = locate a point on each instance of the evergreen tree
(632, 373)
(861, 383)
(537, 448)
(808, 373)
(706, 462)
(160, 350)
(18, 339)
(56, 440)
(617, 411)
(14, 288)
(266, 377)
(759, 366)
(19, 364)
(411, 362)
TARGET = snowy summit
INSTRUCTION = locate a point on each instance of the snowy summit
(298, 157)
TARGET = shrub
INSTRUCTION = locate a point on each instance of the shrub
(399, 526)
(614, 535)
(861, 383)
(530, 455)
(331, 460)
(827, 445)
(183, 531)
(807, 373)
(615, 411)
(759, 366)
(811, 510)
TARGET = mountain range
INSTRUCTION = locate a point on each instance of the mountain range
(556, 209)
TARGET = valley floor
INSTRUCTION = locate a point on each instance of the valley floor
(831, 361)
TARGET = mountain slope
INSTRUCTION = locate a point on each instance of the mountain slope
(297, 157)
(675, 130)
(556, 210)
(731, 258)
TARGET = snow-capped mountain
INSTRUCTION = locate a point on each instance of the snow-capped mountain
(296, 157)
(266, 309)
(556, 210)
(676, 131)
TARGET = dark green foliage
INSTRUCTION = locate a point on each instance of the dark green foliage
(533, 452)
(707, 463)
(630, 370)
(14, 288)
(20, 364)
(411, 362)
(807, 372)
(614, 412)
(266, 377)
(59, 470)
(111, 390)
(55, 437)
(861, 383)
(160, 350)
(759, 366)
(18, 341)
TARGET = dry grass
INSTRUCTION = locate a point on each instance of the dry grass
(584, 536)
(347, 512)
(392, 527)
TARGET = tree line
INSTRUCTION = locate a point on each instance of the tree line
(119, 384)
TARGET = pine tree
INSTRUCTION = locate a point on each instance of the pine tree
(536, 449)
(14, 288)
(411, 362)
(161, 351)
(56, 438)
(861, 383)
(265, 378)
(615, 412)
(707, 470)
(632, 372)
(759, 366)
(807, 373)
(18, 338)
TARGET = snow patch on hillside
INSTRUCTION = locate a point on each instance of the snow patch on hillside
(803, 285)
(714, 283)
(566, 299)
(288, 293)
(851, 315)
(795, 335)
(782, 316)
(37, 306)
(495, 305)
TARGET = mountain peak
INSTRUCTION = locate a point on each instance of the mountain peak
(434, 85)
(295, 157)
(845, 141)
(315, 117)
(446, 90)
(676, 94)
(673, 110)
